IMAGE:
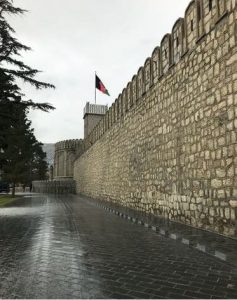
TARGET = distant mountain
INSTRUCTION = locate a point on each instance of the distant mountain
(49, 149)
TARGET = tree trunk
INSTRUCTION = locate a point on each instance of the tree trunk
(13, 190)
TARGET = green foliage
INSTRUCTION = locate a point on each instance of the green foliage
(21, 156)
(11, 67)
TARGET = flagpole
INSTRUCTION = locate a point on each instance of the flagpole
(95, 87)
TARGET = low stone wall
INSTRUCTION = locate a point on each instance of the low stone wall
(54, 187)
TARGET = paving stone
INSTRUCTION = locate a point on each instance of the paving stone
(65, 247)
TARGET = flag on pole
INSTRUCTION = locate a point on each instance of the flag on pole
(100, 86)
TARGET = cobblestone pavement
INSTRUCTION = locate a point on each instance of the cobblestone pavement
(67, 247)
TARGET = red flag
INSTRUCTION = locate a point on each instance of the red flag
(100, 86)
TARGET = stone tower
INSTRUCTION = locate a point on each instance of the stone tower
(64, 155)
(93, 113)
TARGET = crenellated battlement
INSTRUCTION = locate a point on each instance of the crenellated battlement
(200, 18)
(68, 144)
(94, 109)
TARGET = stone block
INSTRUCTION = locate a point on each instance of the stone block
(233, 203)
(216, 183)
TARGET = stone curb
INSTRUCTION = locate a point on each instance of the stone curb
(176, 236)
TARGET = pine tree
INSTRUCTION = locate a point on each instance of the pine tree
(11, 67)
(21, 157)
(39, 166)
(14, 154)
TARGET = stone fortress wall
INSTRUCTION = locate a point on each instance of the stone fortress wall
(168, 144)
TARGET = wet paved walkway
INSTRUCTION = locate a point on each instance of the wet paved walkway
(68, 248)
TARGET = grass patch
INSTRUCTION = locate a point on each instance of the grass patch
(7, 199)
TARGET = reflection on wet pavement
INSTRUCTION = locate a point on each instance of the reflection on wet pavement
(68, 248)
(41, 252)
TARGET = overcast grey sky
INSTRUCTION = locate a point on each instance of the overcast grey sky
(71, 39)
